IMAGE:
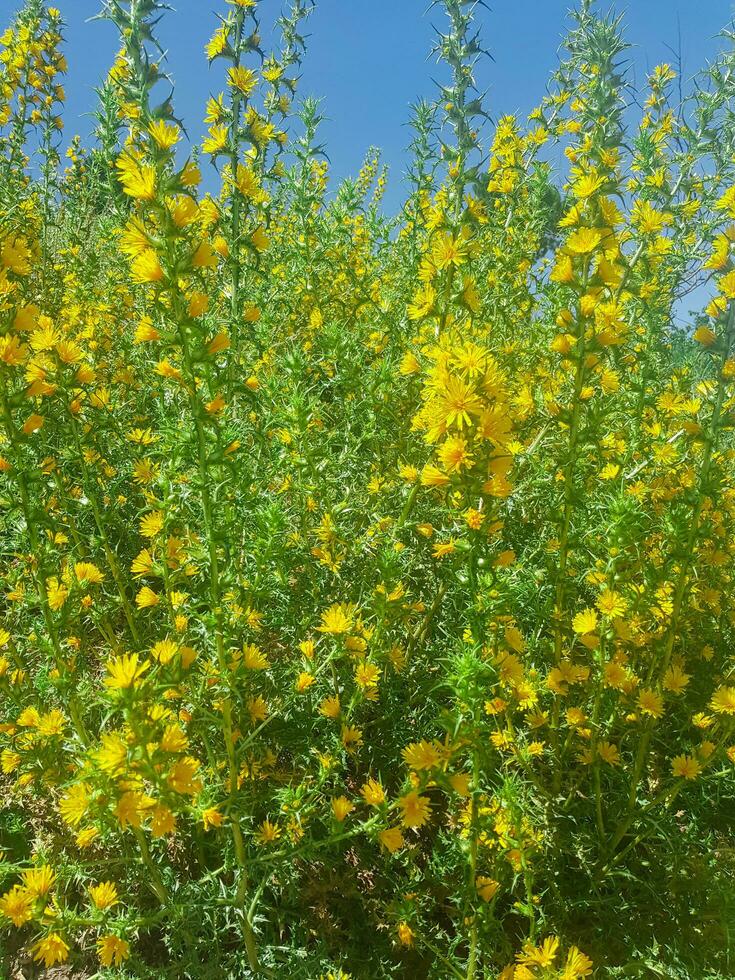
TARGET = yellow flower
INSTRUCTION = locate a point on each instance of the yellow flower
(685, 767)
(138, 180)
(128, 810)
(330, 707)
(268, 833)
(458, 403)
(577, 965)
(367, 675)
(444, 548)
(104, 895)
(242, 78)
(146, 598)
(422, 755)
(211, 817)
(163, 821)
(125, 671)
(304, 681)
(373, 792)
(454, 454)
(342, 807)
(112, 756)
(611, 604)
(57, 593)
(52, 723)
(9, 761)
(703, 335)
(609, 753)
(253, 657)
(651, 703)
(486, 887)
(585, 622)
(723, 701)
(391, 839)
(74, 804)
(164, 651)
(33, 423)
(165, 134)
(217, 139)
(17, 905)
(543, 955)
(88, 574)
(39, 881)
(112, 950)
(182, 776)
(416, 810)
(583, 241)
(448, 250)
(351, 737)
(675, 679)
(339, 618)
(146, 267)
(50, 950)
(151, 524)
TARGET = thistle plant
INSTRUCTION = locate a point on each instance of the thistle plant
(366, 577)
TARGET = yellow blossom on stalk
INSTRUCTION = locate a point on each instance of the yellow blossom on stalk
(151, 524)
(268, 833)
(243, 79)
(373, 792)
(74, 804)
(415, 809)
(112, 755)
(391, 839)
(330, 707)
(444, 548)
(685, 767)
(146, 267)
(609, 753)
(585, 622)
(339, 618)
(112, 950)
(583, 241)
(487, 888)
(253, 657)
(723, 701)
(449, 250)
(51, 950)
(104, 895)
(17, 905)
(138, 180)
(163, 821)
(611, 604)
(164, 651)
(125, 671)
(211, 817)
(367, 676)
(146, 598)
(304, 681)
(341, 808)
(651, 703)
(165, 134)
(87, 573)
(216, 141)
(182, 778)
(454, 454)
(422, 755)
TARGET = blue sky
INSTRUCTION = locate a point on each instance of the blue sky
(368, 60)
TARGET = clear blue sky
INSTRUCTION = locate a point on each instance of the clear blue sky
(368, 60)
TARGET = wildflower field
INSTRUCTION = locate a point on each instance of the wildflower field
(366, 580)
